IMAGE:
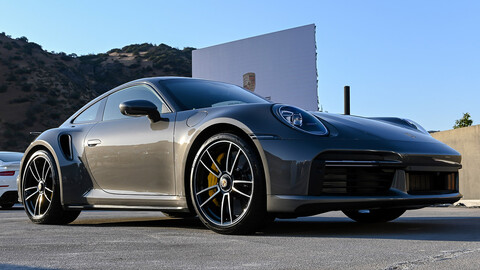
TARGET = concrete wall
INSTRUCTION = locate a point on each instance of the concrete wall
(467, 142)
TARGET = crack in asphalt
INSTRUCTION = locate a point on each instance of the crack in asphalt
(446, 255)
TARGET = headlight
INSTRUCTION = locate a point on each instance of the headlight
(299, 119)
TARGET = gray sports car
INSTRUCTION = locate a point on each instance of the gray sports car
(192, 147)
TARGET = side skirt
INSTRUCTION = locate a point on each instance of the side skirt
(99, 199)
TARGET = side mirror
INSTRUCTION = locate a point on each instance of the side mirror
(140, 108)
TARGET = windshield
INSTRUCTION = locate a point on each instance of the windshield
(189, 94)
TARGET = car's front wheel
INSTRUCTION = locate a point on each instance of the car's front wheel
(227, 185)
(374, 215)
(41, 192)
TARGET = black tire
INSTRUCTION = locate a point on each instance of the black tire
(374, 215)
(7, 205)
(41, 191)
(227, 174)
(180, 214)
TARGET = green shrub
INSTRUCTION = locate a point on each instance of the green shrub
(65, 57)
(24, 71)
(114, 50)
(19, 100)
(7, 46)
(74, 95)
(30, 46)
(26, 87)
(11, 77)
(24, 39)
(51, 101)
(42, 89)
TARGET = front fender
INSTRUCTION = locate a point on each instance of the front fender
(42, 142)
(75, 179)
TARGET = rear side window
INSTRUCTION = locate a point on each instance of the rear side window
(139, 92)
(89, 115)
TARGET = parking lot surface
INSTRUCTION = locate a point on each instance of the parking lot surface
(430, 238)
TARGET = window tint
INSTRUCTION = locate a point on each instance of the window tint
(112, 110)
(191, 94)
(89, 115)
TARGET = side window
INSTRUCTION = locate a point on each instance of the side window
(112, 110)
(89, 115)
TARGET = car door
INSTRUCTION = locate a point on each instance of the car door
(132, 155)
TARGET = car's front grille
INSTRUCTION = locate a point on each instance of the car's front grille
(431, 182)
(356, 181)
(342, 173)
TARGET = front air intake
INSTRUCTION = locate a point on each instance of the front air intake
(425, 183)
(356, 181)
(353, 173)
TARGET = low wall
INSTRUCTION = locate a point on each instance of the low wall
(466, 141)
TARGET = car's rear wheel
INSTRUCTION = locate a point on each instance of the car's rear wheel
(374, 215)
(7, 205)
(227, 185)
(41, 192)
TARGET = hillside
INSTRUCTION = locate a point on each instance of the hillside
(40, 89)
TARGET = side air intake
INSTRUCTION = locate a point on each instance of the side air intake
(66, 145)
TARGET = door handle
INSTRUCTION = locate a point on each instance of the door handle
(93, 142)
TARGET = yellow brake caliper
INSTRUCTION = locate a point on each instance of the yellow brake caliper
(212, 179)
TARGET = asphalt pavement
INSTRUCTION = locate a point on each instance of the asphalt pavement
(430, 238)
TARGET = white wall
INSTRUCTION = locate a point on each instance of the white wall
(284, 64)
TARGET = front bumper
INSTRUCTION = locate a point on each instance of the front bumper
(310, 205)
(309, 177)
(10, 196)
(8, 189)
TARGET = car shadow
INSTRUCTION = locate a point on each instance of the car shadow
(406, 228)
(181, 223)
(15, 207)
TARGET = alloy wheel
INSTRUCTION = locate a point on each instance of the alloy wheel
(38, 185)
(223, 183)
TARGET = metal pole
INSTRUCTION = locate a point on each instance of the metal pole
(346, 91)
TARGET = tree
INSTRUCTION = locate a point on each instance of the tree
(465, 121)
(24, 39)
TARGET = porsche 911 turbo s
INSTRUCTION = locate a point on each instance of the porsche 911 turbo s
(191, 147)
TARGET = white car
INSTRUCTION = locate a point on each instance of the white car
(9, 167)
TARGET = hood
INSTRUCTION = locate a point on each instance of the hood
(361, 128)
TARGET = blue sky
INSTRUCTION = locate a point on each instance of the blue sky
(413, 59)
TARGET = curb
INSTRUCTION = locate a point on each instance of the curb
(468, 203)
